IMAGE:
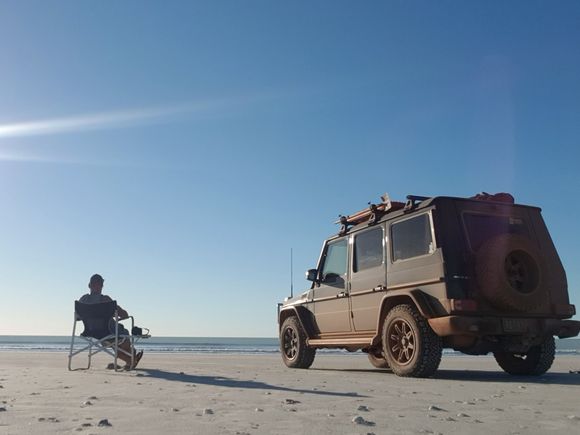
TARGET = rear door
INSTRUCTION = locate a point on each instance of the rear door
(367, 277)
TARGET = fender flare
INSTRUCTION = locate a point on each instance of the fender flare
(416, 297)
(301, 313)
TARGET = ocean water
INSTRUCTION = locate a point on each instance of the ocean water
(199, 345)
(209, 345)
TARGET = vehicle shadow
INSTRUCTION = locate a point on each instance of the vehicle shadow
(221, 381)
(478, 376)
(376, 371)
(499, 376)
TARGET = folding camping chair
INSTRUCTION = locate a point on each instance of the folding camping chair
(97, 336)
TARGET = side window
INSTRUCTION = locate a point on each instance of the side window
(481, 228)
(412, 238)
(335, 261)
(368, 249)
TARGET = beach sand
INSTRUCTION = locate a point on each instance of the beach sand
(257, 394)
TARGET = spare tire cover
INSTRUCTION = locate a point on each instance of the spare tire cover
(511, 273)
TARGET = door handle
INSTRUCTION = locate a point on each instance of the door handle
(341, 295)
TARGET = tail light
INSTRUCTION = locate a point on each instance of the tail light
(564, 309)
(463, 305)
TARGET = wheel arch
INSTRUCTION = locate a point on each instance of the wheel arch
(416, 298)
(300, 313)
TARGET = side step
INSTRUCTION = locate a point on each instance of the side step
(340, 342)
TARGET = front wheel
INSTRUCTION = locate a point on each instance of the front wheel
(411, 347)
(535, 362)
(295, 352)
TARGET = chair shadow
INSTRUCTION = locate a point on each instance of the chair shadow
(221, 381)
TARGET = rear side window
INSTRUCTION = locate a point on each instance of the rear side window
(335, 261)
(412, 238)
(368, 249)
(481, 227)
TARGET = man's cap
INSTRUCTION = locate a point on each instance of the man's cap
(96, 278)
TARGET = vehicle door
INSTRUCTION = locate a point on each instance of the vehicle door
(415, 259)
(367, 277)
(330, 296)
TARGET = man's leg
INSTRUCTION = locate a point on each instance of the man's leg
(126, 346)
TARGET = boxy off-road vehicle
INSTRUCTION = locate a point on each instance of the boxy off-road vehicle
(402, 281)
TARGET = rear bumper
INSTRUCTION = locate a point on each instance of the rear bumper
(480, 326)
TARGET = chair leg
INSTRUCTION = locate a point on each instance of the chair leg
(72, 342)
(131, 340)
(116, 340)
(72, 354)
(132, 353)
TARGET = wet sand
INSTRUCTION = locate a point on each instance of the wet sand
(257, 394)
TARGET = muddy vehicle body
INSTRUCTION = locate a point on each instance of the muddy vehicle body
(402, 281)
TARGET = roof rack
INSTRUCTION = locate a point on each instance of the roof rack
(412, 201)
(372, 214)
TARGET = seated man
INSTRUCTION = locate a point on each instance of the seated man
(95, 297)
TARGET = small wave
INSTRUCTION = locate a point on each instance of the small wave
(204, 345)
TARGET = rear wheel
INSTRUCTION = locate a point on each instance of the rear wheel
(411, 347)
(295, 352)
(535, 362)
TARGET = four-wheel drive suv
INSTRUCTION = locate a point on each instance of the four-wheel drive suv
(402, 281)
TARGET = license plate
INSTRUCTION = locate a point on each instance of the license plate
(515, 325)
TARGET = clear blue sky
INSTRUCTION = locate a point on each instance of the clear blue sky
(181, 149)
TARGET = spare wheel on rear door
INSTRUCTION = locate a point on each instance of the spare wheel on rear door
(511, 273)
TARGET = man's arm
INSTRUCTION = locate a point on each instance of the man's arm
(122, 313)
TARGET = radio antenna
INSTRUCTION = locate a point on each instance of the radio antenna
(291, 275)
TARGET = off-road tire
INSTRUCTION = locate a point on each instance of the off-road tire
(535, 362)
(410, 346)
(378, 361)
(295, 352)
(511, 273)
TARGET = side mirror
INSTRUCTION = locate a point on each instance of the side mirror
(311, 274)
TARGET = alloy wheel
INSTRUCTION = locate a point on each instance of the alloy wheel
(402, 341)
(290, 343)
